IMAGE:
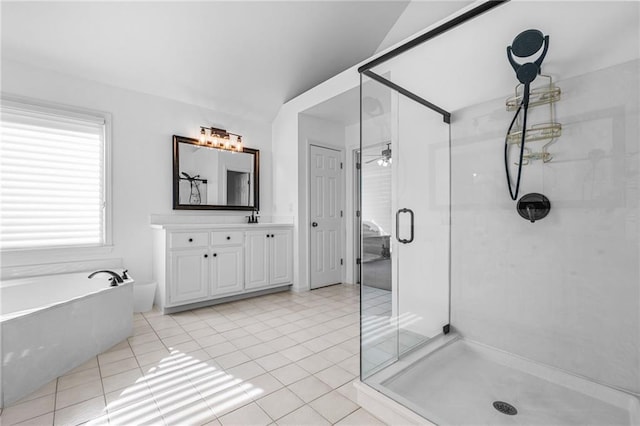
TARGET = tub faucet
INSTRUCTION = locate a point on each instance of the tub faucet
(115, 278)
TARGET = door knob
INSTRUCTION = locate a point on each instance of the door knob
(314, 224)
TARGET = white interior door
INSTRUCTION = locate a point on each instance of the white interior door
(325, 216)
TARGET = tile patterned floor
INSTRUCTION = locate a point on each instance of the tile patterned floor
(384, 336)
(285, 359)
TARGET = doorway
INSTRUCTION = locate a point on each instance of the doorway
(325, 215)
(238, 188)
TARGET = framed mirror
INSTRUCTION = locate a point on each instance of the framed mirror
(207, 178)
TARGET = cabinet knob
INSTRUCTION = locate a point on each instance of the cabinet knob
(267, 235)
(215, 254)
(228, 237)
(272, 236)
(206, 255)
(190, 240)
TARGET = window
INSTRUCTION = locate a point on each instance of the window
(53, 185)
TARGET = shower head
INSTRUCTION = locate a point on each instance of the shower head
(526, 44)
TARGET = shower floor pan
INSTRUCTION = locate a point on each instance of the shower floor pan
(458, 383)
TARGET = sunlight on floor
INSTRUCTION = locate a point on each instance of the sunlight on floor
(182, 388)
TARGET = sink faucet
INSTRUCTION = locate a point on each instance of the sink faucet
(115, 278)
(254, 217)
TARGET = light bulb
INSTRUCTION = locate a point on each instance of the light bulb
(380, 162)
(390, 160)
(203, 135)
(227, 143)
(239, 144)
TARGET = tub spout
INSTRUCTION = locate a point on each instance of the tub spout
(116, 279)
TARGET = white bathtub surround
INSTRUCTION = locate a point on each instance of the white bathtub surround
(53, 324)
(202, 264)
(289, 358)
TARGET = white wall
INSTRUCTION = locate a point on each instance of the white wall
(289, 159)
(142, 154)
(564, 291)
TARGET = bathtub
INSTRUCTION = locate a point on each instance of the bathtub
(52, 324)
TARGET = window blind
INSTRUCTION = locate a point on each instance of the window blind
(52, 178)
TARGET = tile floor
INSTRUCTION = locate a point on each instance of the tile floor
(384, 336)
(286, 359)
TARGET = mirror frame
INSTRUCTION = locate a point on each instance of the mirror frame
(176, 179)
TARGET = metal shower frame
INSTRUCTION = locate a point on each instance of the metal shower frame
(458, 20)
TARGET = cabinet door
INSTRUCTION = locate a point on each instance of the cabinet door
(227, 275)
(281, 266)
(257, 258)
(189, 276)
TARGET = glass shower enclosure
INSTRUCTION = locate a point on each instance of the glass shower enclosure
(471, 313)
(405, 225)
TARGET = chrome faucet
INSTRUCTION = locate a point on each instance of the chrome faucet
(115, 278)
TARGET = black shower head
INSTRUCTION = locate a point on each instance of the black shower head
(526, 44)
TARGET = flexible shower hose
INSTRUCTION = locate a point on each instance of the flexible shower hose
(524, 105)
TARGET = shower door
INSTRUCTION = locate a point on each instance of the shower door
(405, 225)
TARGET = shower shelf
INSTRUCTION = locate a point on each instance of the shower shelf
(547, 94)
(537, 132)
(538, 96)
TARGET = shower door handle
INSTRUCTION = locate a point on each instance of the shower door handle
(402, 240)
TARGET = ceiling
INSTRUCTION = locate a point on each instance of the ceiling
(345, 108)
(244, 58)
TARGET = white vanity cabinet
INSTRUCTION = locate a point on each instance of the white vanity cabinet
(190, 275)
(196, 265)
(227, 270)
(269, 258)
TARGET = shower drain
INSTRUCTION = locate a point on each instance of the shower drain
(505, 408)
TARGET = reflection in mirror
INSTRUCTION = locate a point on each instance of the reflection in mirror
(210, 178)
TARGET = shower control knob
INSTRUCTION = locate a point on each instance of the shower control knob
(533, 207)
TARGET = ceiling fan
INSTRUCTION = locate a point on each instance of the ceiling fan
(384, 159)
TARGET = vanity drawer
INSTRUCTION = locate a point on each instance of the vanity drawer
(187, 239)
(224, 238)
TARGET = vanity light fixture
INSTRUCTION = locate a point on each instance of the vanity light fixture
(221, 139)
